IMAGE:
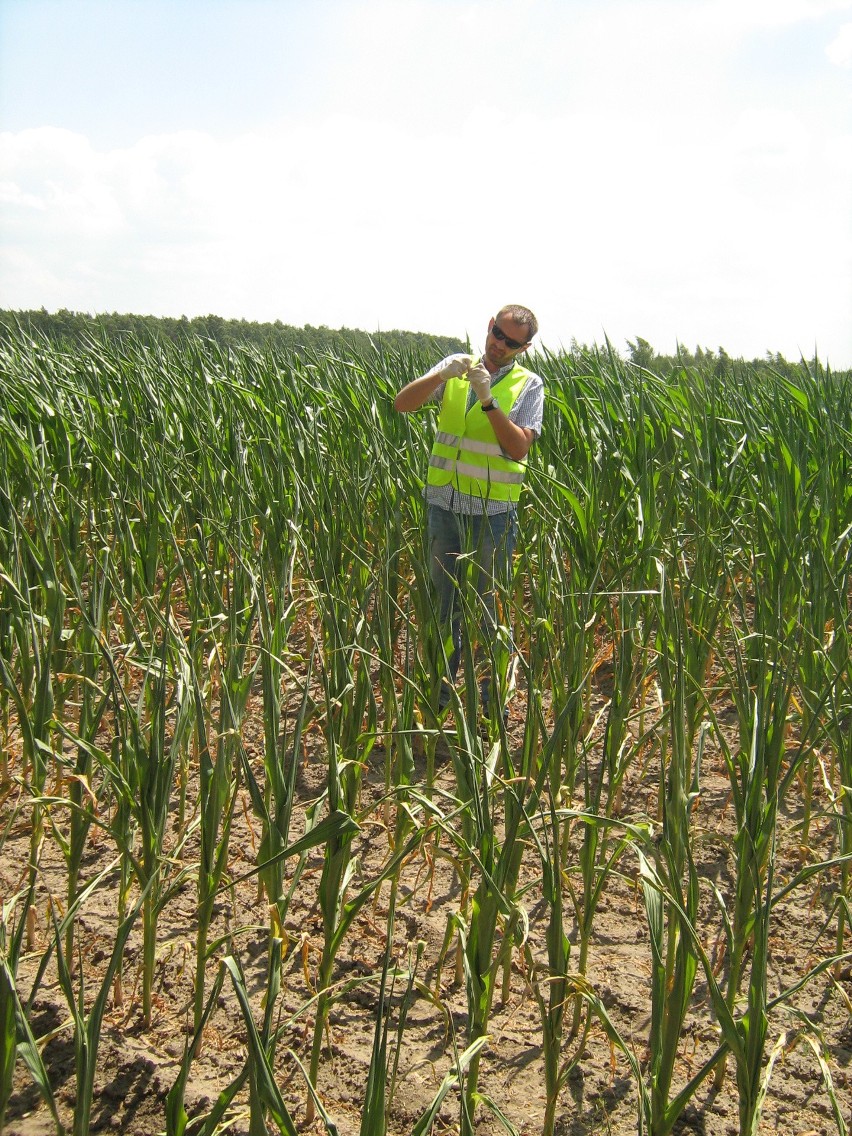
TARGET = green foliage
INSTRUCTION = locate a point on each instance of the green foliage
(189, 537)
(78, 328)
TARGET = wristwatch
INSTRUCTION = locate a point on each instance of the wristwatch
(493, 405)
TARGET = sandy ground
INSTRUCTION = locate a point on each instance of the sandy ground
(137, 1066)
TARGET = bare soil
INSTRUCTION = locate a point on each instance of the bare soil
(137, 1066)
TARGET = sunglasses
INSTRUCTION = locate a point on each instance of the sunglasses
(512, 344)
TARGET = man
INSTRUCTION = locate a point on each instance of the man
(491, 413)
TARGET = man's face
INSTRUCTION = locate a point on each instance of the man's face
(503, 332)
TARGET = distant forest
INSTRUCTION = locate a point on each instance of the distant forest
(75, 328)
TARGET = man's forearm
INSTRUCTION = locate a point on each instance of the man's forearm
(414, 394)
(514, 440)
(418, 392)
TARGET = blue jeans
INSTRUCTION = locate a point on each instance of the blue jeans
(491, 544)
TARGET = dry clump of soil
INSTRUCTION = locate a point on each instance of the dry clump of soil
(138, 1066)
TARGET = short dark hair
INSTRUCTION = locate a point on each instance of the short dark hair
(520, 314)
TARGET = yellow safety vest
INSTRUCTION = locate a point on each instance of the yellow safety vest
(466, 452)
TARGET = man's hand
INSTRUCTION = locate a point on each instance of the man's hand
(480, 379)
(456, 367)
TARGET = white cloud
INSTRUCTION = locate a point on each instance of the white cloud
(773, 13)
(300, 225)
(55, 178)
(12, 195)
(605, 168)
(839, 51)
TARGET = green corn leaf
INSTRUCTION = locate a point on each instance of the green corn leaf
(337, 825)
(451, 1079)
(260, 1069)
(18, 1038)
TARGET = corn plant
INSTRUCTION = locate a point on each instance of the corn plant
(765, 651)
(338, 867)
(840, 713)
(264, 1095)
(93, 603)
(553, 1002)
(218, 795)
(184, 527)
(274, 807)
(87, 1024)
(744, 1030)
(15, 1030)
(40, 628)
(492, 806)
(602, 776)
(374, 1114)
(176, 1116)
(674, 964)
(277, 608)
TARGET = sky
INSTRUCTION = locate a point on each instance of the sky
(679, 170)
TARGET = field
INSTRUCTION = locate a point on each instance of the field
(253, 880)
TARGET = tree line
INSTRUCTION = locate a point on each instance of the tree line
(642, 354)
(74, 328)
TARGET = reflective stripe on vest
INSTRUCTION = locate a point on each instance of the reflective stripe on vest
(465, 452)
